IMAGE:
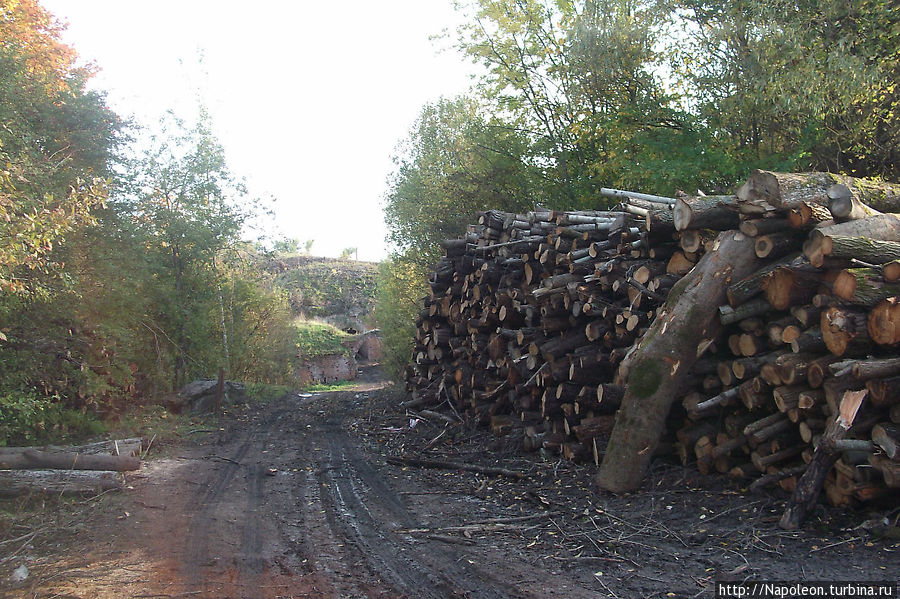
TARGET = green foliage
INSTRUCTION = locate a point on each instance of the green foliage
(314, 339)
(325, 388)
(454, 163)
(30, 419)
(114, 290)
(265, 392)
(806, 85)
(55, 139)
(322, 288)
(685, 94)
(401, 284)
(287, 246)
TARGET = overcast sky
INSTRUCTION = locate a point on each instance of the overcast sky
(309, 99)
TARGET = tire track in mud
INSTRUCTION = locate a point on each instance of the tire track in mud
(364, 511)
(223, 487)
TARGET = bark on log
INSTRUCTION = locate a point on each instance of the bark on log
(34, 459)
(879, 195)
(810, 485)
(873, 251)
(58, 482)
(130, 446)
(885, 227)
(708, 212)
(887, 436)
(844, 205)
(864, 370)
(741, 290)
(784, 190)
(764, 226)
(863, 286)
(844, 330)
(664, 357)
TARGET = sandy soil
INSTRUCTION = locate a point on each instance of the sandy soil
(295, 498)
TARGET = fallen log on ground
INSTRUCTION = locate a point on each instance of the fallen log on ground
(58, 482)
(451, 465)
(33, 459)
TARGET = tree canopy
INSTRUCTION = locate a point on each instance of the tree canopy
(652, 95)
(123, 268)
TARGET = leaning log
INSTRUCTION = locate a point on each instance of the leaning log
(659, 366)
(827, 453)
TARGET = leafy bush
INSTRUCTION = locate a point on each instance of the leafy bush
(29, 419)
(401, 282)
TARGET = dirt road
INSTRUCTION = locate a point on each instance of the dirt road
(294, 499)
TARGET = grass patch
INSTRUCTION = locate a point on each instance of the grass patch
(322, 387)
(316, 339)
(156, 422)
(264, 392)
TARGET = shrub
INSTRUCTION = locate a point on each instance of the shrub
(29, 419)
(401, 283)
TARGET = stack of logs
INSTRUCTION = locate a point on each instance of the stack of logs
(530, 315)
(73, 470)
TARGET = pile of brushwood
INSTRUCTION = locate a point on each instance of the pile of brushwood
(752, 334)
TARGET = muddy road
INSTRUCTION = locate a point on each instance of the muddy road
(294, 498)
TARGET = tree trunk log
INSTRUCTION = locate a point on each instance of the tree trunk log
(844, 205)
(33, 459)
(58, 482)
(810, 485)
(863, 286)
(665, 356)
(844, 330)
(887, 436)
(884, 322)
(873, 251)
(878, 195)
(784, 190)
(710, 212)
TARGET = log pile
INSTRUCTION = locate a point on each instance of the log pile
(530, 314)
(535, 321)
(78, 470)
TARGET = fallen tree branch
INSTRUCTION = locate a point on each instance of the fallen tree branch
(450, 465)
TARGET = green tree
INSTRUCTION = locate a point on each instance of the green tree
(56, 138)
(454, 163)
(287, 246)
(188, 209)
(795, 85)
(400, 285)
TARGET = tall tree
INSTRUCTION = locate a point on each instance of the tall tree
(796, 85)
(188, 209)
(454, 163)
(55, 138)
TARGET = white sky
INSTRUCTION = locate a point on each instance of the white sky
(309, 99)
